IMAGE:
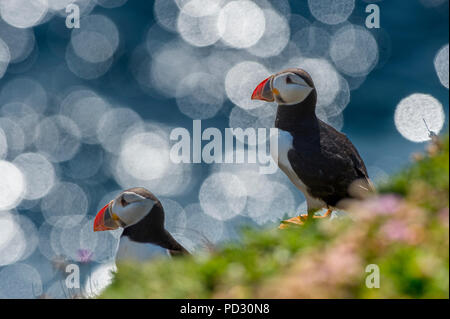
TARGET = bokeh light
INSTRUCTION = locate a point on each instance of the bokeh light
(171, 64)
(241, 24)
(86, 109)
(19, 41)
(331, 11)
(13, 135)
(198, 30)
(417, 115)
(312, 41)
(97, 40)
(441, 65)
(85, 69)
(111, 3)
(20, 281)
(432, 3)
(23, 13)
(5, 57)
(58, 137)
(271, 203)
(38, 172)
(28, 235)
(145, 156)
(275, 37)
(354, 50)
(152, 168)
(200, 95)
(112, 126)
(3, 144)
(27, 91)
(12, 243)
(24, 116)
(242, 79)
(12, 185)
(222, 196)
(166, 13)
(65, 206)
(86, 163)
(202, 227)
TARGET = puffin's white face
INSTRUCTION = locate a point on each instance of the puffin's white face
(125, 210)
(130, 207)
(290, 89)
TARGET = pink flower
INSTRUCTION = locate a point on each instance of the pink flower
(84, 255)
(443, 216)
(384, 205)
(396, 230)
(389, 203)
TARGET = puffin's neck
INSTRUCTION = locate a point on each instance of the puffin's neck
(174, 247)
(151, 230)
(297, 117)
(162, 237)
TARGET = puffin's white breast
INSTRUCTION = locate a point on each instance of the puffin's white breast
(285, 143)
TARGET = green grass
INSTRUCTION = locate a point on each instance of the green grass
(406, 235)
(431, 173)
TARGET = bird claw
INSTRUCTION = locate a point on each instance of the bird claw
(326, 215)
(301, 220)
(294, 221)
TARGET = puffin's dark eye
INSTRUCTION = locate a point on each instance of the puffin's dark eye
(123, 202)
(289, 80)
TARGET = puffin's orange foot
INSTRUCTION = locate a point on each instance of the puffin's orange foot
(294, 221)
(302, 219)
(326, 215)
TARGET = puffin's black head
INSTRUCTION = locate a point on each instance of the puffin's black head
(288, 87)
(127, 209)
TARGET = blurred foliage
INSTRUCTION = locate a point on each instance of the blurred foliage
(404, 231)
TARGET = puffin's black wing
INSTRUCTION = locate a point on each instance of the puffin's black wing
(328, 164)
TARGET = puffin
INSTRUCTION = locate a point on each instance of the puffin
(141, 216)
(319, 160)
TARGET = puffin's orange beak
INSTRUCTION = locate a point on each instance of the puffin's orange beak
(263, 91)
(103, 220)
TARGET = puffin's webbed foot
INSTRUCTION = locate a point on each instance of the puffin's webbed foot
(294, 221)
(326, 215)
(302, 219)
